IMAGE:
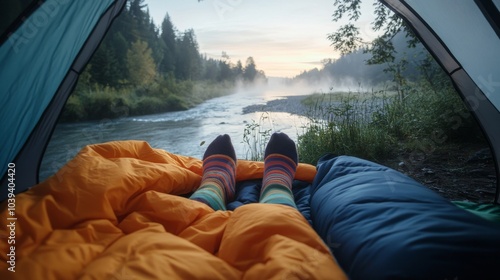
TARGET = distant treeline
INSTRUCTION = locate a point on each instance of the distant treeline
(139, 59)
(350, 68)
(355, 67)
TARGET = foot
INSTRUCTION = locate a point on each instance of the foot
(281, 144)
(221, 146)
(280, 164)
(219, 169)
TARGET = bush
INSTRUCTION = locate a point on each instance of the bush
(148, 105)
(73, 110)
(175, 103)
(94, 102)
(107, 103)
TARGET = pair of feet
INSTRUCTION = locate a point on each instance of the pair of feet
(217, 187)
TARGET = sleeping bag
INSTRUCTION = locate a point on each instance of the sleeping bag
(381, 224)
(117, 211)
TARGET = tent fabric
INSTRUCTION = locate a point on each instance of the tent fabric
(115, 210)
(487, 211)
(381, 224)
(13, 13)
(465, 40)
(41, 61)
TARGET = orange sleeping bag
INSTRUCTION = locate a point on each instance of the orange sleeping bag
(114, 212)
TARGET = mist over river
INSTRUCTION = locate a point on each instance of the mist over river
(182, 132)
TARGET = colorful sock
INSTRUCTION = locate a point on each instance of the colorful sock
(219, 170)
(280, 164)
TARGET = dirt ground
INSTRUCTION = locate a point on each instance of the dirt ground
(463, 172)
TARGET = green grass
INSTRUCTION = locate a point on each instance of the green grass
(375, 125)
(322, 99)
(256, 135)
(380, 125)
(341, 124)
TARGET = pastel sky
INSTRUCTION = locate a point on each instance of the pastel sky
(284, 37)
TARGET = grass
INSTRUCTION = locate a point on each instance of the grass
(377, 125)
(341, 123)
(380, 125)
(317, 99)
(256, 135)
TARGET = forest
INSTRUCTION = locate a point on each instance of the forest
(358, 68)
(141, 68)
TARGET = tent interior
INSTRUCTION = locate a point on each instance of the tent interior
(90, 218)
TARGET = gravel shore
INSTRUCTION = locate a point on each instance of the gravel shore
(289, 104)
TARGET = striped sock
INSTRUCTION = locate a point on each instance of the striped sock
(219, 168)
(280, 165)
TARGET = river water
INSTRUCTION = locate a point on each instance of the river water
(184, 132)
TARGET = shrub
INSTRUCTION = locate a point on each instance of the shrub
(148, 105)
(73, 110)
(175, 103)
(94, 102)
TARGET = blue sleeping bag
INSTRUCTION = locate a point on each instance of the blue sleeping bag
(380, 224)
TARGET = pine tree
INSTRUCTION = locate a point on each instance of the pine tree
(238, 70)
(120, 48)
(188, 63)
(167, 36)
(250, 71)
(105, 67)
(225, 72)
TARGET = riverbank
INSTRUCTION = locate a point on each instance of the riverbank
(169, 95)
(457, 170)
(286, 104)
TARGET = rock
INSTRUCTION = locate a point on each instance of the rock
(483, 154)
(485, 191)
(427, 170)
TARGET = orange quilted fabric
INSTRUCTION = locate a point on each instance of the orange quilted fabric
(114, 212)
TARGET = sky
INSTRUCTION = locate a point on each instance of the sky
(284, 37)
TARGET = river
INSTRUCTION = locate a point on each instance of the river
(184, 132)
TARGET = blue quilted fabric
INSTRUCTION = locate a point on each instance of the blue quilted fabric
(380, 224)
(249, 192)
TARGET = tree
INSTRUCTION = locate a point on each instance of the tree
(168, 38)
(135, 9)
(106, 68)
(120, 48)
(250, 71)
(238, 70)
(140, 64)
(225, 72)
(188, 63)
(347, 39)
(118, 62)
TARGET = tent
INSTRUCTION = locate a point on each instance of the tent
(463, 36)
(116, 209)
(35, 87)
(28, 118)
